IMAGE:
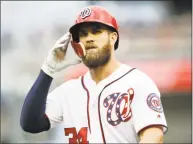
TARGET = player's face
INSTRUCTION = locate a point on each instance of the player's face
(97, 42)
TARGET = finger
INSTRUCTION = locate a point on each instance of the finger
(56, 46)
(65, 46)
(60, 54)
(64, 38)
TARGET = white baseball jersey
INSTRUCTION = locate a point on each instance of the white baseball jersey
(113, 111)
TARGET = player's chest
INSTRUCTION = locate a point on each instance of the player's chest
(104, 98)
(105, 107)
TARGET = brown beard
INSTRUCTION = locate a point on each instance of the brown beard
(98, 58)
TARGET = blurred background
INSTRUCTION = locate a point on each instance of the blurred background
(155, 37)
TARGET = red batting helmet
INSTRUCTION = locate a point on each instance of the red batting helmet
(94, 14)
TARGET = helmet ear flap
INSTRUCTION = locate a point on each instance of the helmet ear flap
(78, 48)
(74, 31)
(75, 37)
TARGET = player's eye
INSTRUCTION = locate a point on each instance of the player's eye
(96, 31)
(83, 33)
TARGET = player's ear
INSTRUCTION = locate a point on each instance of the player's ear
(113, 38)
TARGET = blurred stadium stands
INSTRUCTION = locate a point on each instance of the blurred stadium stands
(155, 36)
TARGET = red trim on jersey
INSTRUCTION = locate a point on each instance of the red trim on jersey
(88, 99)
(153, 125)
(103, 136)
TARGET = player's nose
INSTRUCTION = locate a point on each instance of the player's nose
(89, 38)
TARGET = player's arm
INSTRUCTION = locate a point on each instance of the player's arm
(33, 118)
(153, 134)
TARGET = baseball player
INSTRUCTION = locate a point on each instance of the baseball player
(111, 103)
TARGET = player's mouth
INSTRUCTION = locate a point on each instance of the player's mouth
(92, 47)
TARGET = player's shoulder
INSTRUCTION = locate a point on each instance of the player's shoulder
(141, 74)
(143, 79)
(137, 74)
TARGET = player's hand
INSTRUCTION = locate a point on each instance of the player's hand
(55, 60)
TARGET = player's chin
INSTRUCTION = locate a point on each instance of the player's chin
(91, 62)
(92, 55)
(90, 59)
(95, 62)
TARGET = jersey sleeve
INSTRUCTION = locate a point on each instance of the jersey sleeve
(147, 109)
(54, 109)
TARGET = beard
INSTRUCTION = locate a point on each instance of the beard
(97, 57)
